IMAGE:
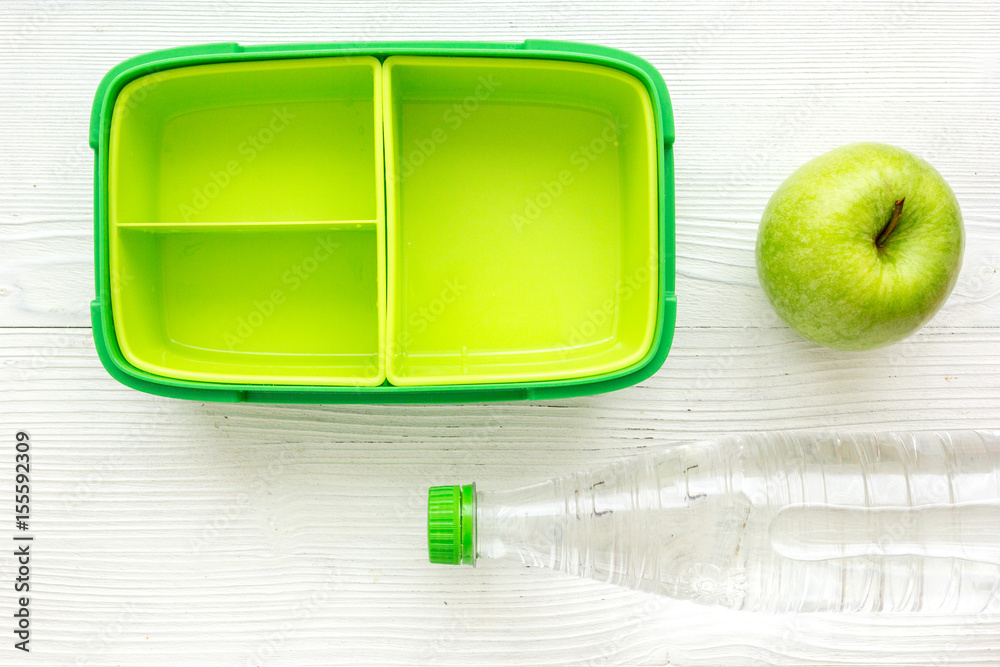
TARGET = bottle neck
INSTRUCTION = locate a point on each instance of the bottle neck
(575, 524)
(524, 524)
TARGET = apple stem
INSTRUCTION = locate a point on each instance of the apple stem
(897, 211)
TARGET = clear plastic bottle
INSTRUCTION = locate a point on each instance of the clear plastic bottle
(783, 522)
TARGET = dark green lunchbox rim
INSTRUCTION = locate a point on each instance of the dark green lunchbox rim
(101, 317)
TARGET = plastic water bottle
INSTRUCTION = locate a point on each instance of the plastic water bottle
(784, 522)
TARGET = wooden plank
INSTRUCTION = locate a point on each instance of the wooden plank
(210, 527)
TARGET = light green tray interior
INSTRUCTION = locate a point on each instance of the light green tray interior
(255, 236)
(250, 303)
(267, 141)
(247, 222)
(522, 219)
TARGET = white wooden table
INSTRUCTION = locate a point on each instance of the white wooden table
(183, 533)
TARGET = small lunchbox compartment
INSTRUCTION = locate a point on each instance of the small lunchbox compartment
(261, 141)
(291, 304)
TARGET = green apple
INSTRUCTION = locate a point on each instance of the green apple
(860, 246)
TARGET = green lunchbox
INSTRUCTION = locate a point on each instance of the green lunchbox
(383, 222)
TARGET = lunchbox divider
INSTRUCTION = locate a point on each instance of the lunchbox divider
(248, 226)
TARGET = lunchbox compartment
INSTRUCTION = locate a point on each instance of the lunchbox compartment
(262, 141)
(247, 220)
(522, 220)
(273, 305)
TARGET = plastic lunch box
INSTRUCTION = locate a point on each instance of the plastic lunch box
(387, 222)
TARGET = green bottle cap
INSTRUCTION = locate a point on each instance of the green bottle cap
(451, 524)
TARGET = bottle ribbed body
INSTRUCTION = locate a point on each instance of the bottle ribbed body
(796, 521)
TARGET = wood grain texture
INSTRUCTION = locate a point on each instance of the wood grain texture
(183, 533)
(208, 528)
